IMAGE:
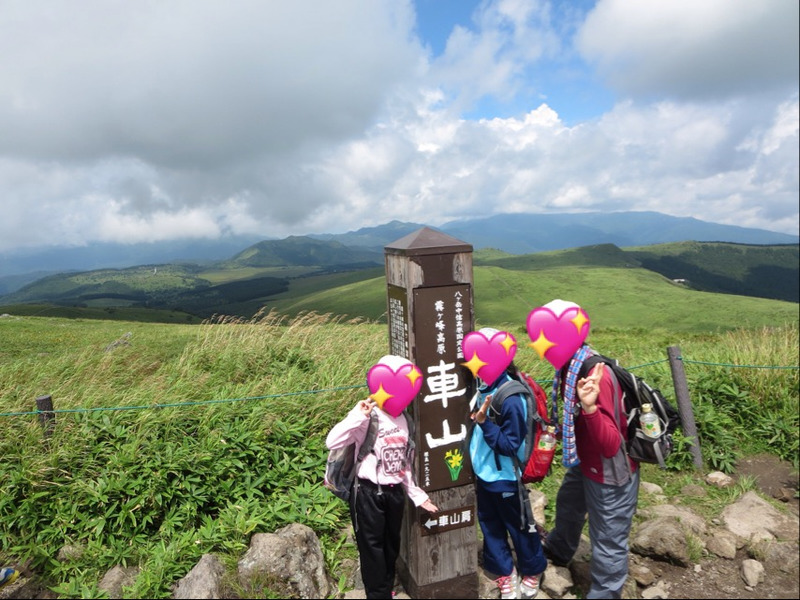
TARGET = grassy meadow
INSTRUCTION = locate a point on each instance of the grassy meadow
(178, 439)
(612, 296)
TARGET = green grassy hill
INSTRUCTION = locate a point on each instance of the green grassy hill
(302, 250)
(613, 297)
(742, 269)
(186, 440)
(603, 278)
(762, 271)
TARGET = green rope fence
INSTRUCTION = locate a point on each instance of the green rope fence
(328, 390)
(181, 404)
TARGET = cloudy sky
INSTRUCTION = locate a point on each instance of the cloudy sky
(149, 120)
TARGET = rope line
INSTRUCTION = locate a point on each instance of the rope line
(179, 404)
(700, 362)
(333, 389)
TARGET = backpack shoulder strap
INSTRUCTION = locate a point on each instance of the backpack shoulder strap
(411, 441)
(592, 360)
(409, 422)
(509, 388)
(369, 439)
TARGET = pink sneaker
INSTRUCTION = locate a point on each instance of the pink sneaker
(507, 585)
(529, 586)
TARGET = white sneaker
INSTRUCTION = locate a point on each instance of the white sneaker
(529, 586)
(508, 585)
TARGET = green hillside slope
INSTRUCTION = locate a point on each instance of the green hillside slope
(507, 286)
(613, 297)
(302, 250)
(762, 271)
(747, 270)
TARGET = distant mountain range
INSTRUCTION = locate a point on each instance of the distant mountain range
(530, 233)
(514, 234)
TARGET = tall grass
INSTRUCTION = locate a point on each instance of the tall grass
(745, 395)
(200, 436)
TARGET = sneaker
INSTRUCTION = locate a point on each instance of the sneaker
(529, 586)
(8, 576)
(507, 585)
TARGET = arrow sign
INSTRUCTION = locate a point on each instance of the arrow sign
(446, 520)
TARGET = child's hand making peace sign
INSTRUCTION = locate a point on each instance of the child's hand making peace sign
(589, 388)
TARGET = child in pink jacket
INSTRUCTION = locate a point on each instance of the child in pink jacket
(384, 479)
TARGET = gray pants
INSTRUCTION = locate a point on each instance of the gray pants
(610, 509)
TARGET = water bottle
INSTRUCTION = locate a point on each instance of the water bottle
(547, 441)
(543, 454)
(649, 421)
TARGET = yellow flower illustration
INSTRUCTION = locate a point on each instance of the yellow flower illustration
(454, 460)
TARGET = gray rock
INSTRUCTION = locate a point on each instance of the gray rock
(644, 576)
(754, 520)
(723, 543)
(116, 579)
(719, 479)
(662, 538)
(557, 580)
(752, 572)
(651, 488)
(203, 581)
(70, 552)
(783, 555)
(690, 521)
(290, 559)
(659, 590)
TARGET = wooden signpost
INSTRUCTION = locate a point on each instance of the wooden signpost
(430, 309)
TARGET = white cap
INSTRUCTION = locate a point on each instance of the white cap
(394, 362)
(558, 306)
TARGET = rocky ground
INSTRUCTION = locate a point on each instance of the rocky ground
(716, 577)
(710, 577)
(713, 576)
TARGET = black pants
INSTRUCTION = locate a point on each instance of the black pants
(377, 516)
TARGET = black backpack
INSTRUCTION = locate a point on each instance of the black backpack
(636, 392)
(342, 464)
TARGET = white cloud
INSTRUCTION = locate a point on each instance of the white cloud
(148, 120)
(690, 49)
(193, 82)
(114, 225)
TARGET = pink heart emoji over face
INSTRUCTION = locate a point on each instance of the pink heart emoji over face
(557, 330)
(488, 358)
(392, 390)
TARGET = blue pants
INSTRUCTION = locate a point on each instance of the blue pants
(500, 518)
(610, 509)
